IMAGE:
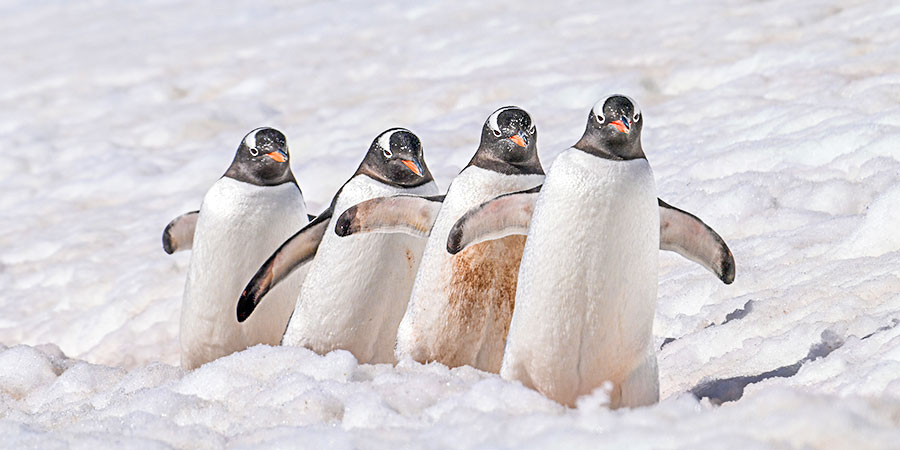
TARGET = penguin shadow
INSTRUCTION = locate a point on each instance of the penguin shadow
(737, 314)
(732, 389)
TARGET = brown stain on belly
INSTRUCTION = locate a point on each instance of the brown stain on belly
(482, 291)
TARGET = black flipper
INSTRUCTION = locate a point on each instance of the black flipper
(684, 233)
(293, 253)
(408, 214)
(179, 233)
(502, 216)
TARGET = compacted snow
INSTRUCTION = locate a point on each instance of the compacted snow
(778, 123)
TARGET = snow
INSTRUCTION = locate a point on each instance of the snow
(777, 123)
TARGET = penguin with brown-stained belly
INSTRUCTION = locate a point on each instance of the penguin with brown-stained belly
(357, 287)
(244, 216)
(460, 305)
(462, 302)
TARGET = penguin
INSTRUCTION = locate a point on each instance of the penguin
(461, 306)
(586, 296)
(244, 216)
(357, 287)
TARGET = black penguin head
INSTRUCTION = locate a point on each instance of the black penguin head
(613, 129)
(262, 159)
(508, 143)
(395, 157)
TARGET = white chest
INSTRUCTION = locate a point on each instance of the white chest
(358, 286)
(239, 226)
(472, 187)
(587, 283)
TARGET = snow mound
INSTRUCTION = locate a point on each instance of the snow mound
(878, 234)
(278, 396)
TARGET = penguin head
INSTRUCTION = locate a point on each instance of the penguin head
(262, 158)
(614, 129)
(509, 135)
(508, 143)
(395, 157)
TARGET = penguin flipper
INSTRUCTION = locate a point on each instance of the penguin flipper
(293, 253)
(408, 214)
(179, 233)
(499, 217)
(684, 233)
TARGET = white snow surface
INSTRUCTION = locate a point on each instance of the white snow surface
(776, 122)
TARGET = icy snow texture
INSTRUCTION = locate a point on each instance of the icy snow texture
(776, 122)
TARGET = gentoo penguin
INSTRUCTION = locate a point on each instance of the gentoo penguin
(586, 295)
(245, 215)
(474, 292)
(357, 287)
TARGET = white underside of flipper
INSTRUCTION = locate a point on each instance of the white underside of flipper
(358, 286)
(587, 286)
(240, 225)
(461, 304)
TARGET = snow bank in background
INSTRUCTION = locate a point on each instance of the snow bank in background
(777, 124)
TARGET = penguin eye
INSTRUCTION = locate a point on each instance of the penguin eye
(532, 130)
(254, 151)
(496, 133)
(600, 118)
(388, 153)
(637, 117)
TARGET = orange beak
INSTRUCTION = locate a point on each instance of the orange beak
(619, 126)
(518, 140)
(412, 166)
(277, 156)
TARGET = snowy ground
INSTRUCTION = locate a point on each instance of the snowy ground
(776, 122)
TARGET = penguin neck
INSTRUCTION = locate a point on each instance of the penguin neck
(593, 145)
(240, 172)
(485, 160)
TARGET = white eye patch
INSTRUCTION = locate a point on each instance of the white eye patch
(492, 120)
(384, 141)
(250, 138)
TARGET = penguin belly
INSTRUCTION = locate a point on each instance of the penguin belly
(587, 285)
(461, 304)
(239, 226)
(358, 286)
